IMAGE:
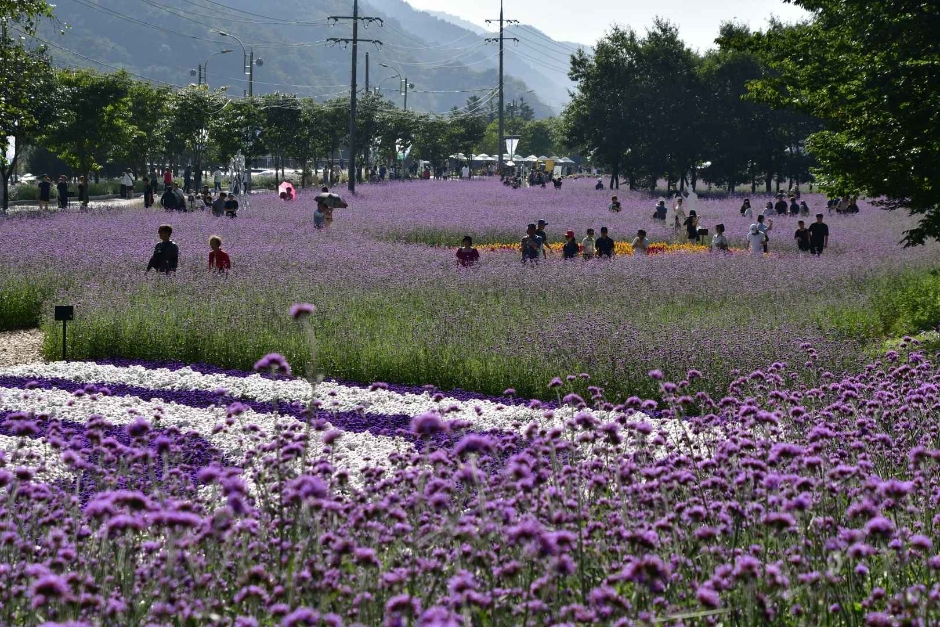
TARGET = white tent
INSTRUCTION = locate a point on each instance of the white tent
(531, 159)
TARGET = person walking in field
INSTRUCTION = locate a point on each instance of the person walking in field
(818, 236)
(614, 205)
(589, 245)
(746, 210)
(531, 245)
(640, 243)
(755, 241)
(720, 240)
(604, 245)
(217, 179)
(802, 237)
(764, 227)
(127, 183)
(467, 255)
(543, 236)
(167, 179)
(570, 249)
(219, 260)
(166, 253)
(691, 226)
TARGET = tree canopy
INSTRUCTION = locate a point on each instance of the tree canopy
(871, 70)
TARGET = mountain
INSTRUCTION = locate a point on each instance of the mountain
(163, 40)
(462, 23)
(535, 59)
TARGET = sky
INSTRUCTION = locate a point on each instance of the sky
(698, 20)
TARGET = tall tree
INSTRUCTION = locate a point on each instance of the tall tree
(239, 126)
(147, 108)
(192, 113)
(24, 85)
(92, 123)
(871, 70)
(281, 118)
(602, 118)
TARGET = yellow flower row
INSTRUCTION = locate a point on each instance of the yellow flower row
(620, 248)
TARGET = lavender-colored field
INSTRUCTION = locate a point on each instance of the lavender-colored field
(390, 306)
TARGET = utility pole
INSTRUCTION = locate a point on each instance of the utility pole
(367, 74)
(500, 39)
(405, 105)
(352, 88)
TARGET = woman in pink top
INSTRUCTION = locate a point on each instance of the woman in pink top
(467, 255)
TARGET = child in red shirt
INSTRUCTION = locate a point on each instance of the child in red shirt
(218, 259)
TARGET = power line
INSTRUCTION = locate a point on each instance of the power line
(563, 46)
(119, 15)
(97, 62)
(439, 63)
(545, 50)
(186, 16)
(540, 62)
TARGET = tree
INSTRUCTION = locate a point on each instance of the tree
(25, 104)
(192, 113)
(871, 70)
(430, 140)
(601, 119)
(238, 127)
(305, 146)
(147, 107)
(465, 130)
(538, 137)
(281, 119)
(92, 121)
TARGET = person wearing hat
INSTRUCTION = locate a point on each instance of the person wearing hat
(755, 241)
(540, 231)
(571, 249)
(531, 245)
(691, 226)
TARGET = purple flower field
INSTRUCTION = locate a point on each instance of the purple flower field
(393, 306)
(776, 502)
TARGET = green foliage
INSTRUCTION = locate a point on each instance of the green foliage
(92, 122)
(192, 115)
(871, 70)
(25, 90)
(21, 300)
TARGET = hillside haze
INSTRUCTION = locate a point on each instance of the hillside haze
(447, 63)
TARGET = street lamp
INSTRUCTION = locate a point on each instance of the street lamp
(403, 82)
(248, 62)
(205, 66)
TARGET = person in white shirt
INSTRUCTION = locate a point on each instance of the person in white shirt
(720, 241)
(755, 241)
(640, 243)
(769, 210)
(763, 227)
(128, 182)
(588, 248)
(679, 213)
(217, 178)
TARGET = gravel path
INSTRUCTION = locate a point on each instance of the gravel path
(20, 347)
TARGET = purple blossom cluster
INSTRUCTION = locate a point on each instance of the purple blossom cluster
(794, 497)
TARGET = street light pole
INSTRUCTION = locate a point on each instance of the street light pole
(205, 66)
(248, 62)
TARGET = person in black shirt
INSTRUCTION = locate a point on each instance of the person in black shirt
(540, 231)
(168, 200)
(802, 237)
(853, 206)
(166, 253)
(231, 206)
(63, 190)
(781, 206)
(818, 235)
(794, 206)
(691, 226)
(45, 191)
(83, 192)
(604, 245)
(570, 250)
